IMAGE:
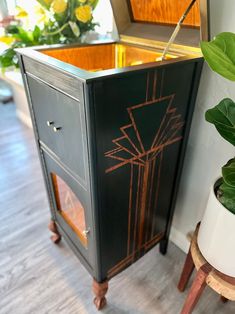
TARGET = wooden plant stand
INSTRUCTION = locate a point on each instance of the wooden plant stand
(206, 275)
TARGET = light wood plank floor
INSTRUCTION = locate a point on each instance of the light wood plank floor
(39, 277)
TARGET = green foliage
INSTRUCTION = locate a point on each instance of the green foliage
(36, 34)
(8, 58)
(227, 189)
(64, 28)
(223, 117)
(220, 55)
(94, 3)
(22, 38)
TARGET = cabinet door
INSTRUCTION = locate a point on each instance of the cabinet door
(61, 127)
(72, 208)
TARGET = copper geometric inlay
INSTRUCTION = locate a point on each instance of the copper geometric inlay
(141, 148)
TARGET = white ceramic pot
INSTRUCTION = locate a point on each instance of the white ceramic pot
(216, 237)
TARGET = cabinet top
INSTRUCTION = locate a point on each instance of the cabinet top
(156, 19)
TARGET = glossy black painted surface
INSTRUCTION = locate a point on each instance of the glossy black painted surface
(128, 112)
(121, 152)
(57, 116)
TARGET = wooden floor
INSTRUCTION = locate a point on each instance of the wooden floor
(38, 277)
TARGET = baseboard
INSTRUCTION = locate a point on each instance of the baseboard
(24, 118)
(179, 239)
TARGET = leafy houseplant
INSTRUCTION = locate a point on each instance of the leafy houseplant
(216, 237)
(220, 55)
(58, 21)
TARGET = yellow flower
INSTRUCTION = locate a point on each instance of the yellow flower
(21, 13)
(7, 40)
(83, 13)
(59, 6)
(41, 14)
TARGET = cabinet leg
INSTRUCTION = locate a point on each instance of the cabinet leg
(187, 271)
(196, 289)
(100, 289)
(223, 299)
(56, 237)
(163, 245)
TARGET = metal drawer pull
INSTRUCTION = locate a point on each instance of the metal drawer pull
(56, 128)
(49, 123)
(86, 231)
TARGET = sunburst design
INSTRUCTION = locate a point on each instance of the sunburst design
(137, 147)
(140, 147)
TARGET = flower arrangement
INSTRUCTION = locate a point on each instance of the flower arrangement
(57, 21)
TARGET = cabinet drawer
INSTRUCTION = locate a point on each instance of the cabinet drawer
(61, 125)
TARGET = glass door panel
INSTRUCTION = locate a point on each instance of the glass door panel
(70, 208)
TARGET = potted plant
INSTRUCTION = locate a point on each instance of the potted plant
(216, 237)
(53, 22)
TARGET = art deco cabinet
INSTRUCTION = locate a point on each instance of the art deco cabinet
(111, 123)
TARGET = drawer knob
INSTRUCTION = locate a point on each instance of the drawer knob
(86, 231)
(56, 128)
(49, 123)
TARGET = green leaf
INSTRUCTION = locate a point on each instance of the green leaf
(93, 3)
(227, 188)
(36, 34)
(220, 54)
(223, 117)
(227, 197)
(7, 58)
(25, 36)
(228, 172)
(72, 4)
(12, 29)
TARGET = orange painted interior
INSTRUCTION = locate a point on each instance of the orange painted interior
(105, 56)
(165, 12)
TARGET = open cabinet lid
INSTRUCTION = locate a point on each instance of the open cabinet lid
(155, 20)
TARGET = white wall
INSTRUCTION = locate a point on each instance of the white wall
(206, 151)
(104, 15)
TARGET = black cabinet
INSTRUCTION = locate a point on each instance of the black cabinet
(111, 135)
